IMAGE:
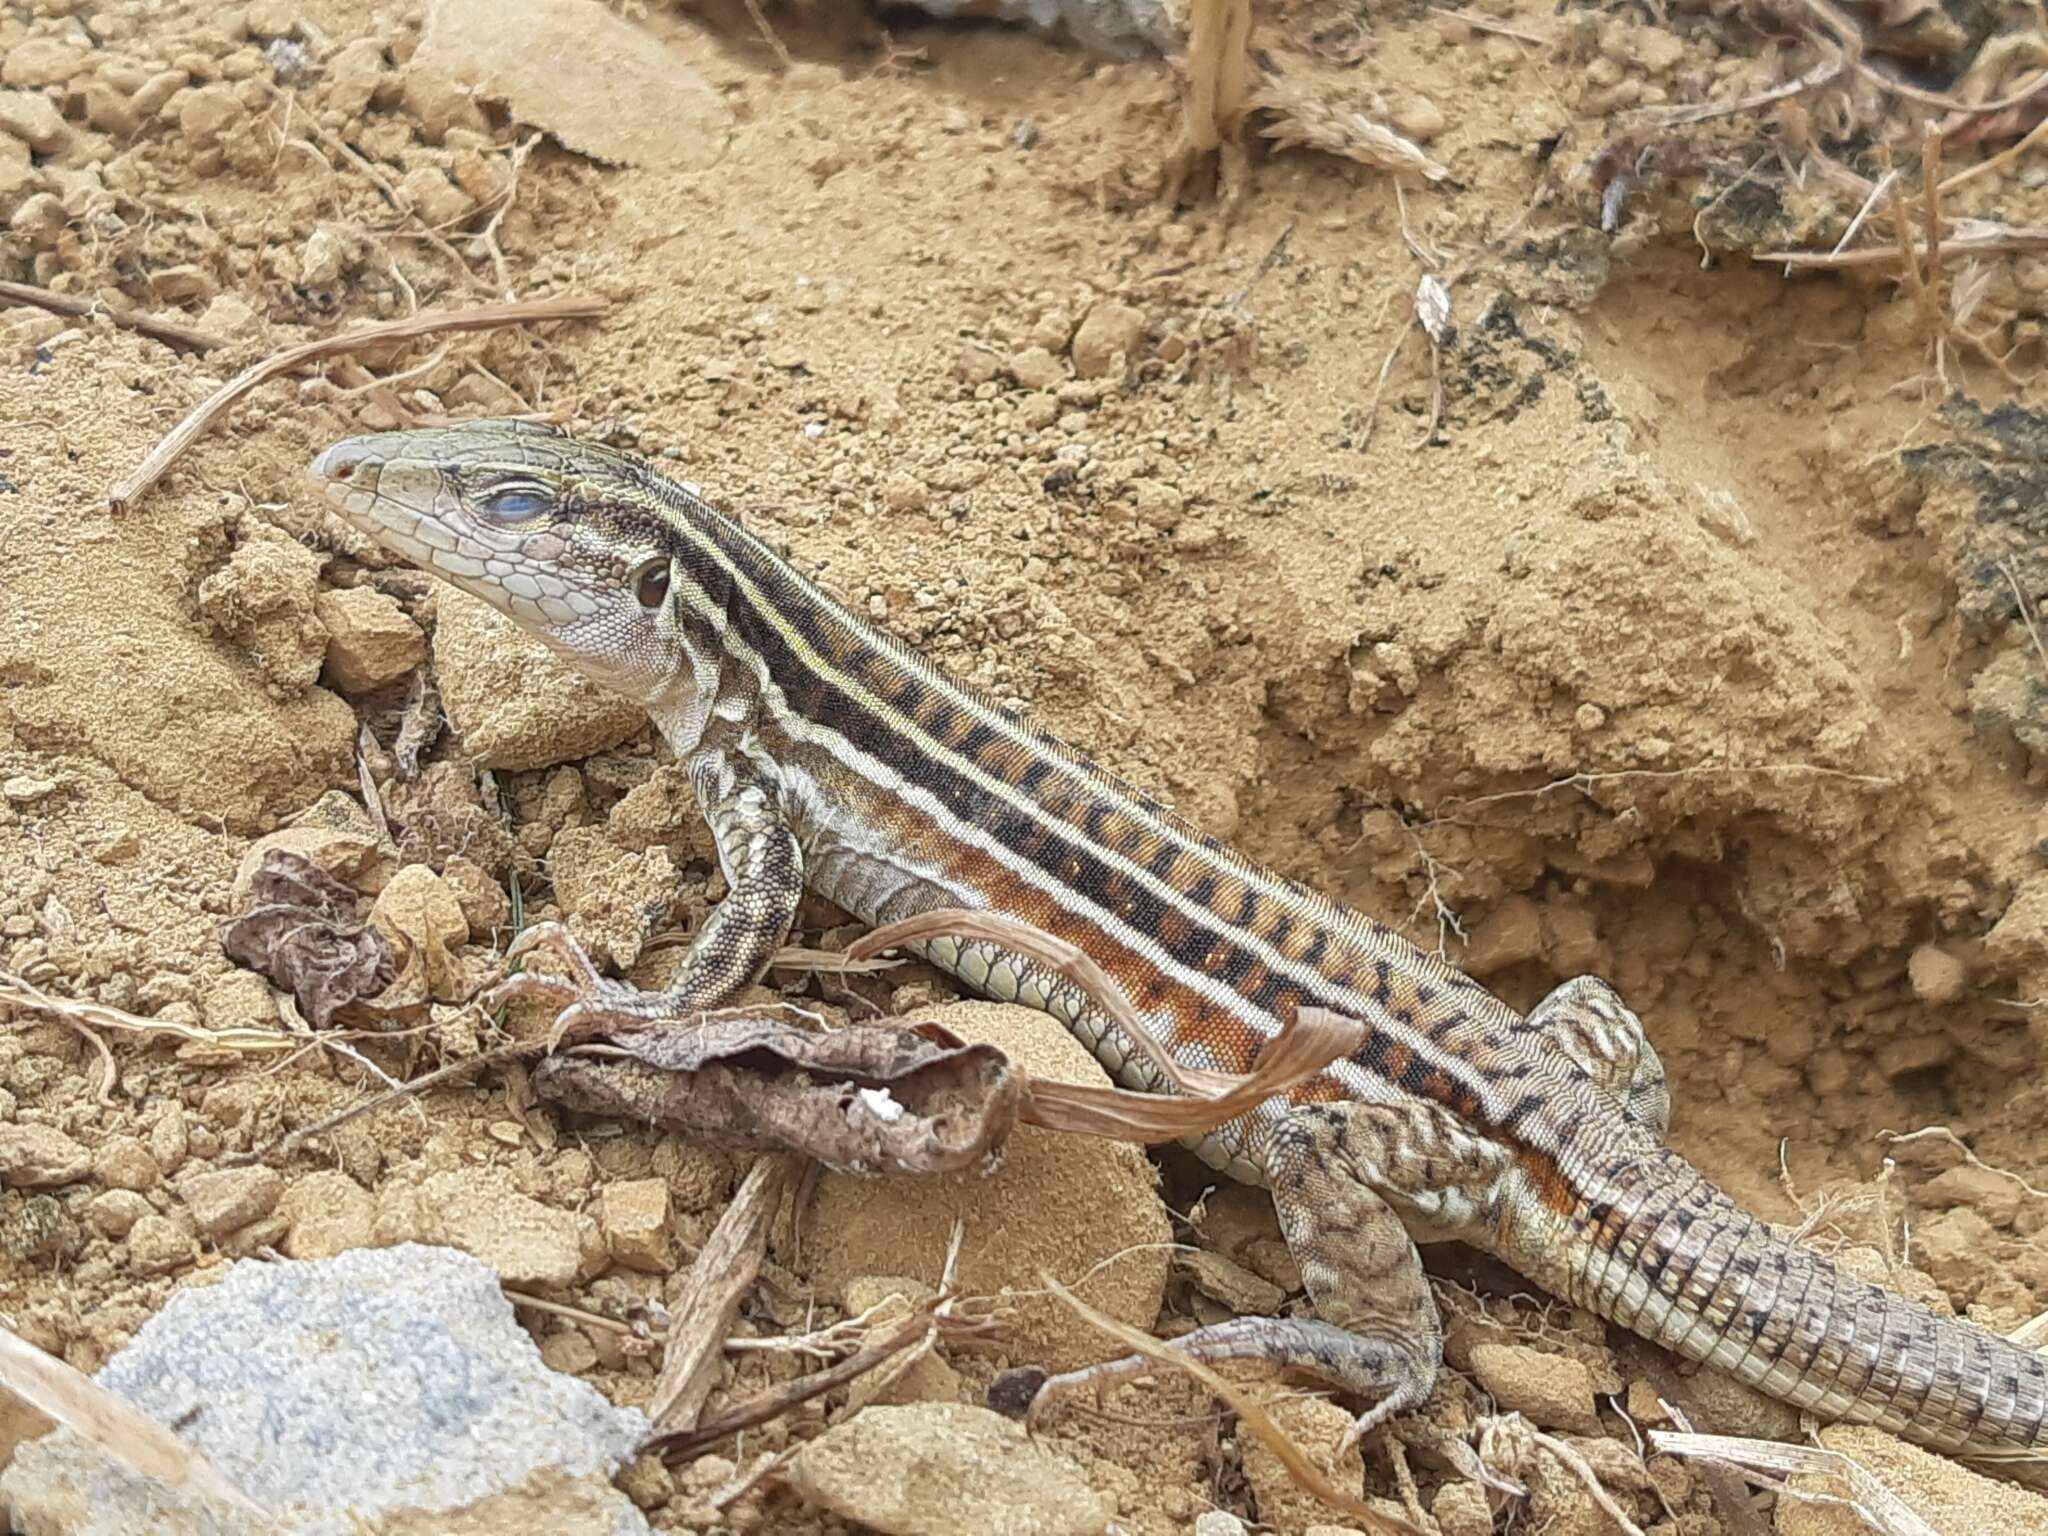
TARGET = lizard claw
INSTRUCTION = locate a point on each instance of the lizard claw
(1366, 1423)
(587, 1002)
(557, 940)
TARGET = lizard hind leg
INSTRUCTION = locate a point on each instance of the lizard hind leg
(1586, 1020)
(1357, 1260)
(1376, 1334)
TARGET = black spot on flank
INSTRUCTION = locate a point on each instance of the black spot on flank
(1281, 929)
(941, 722)
(1035, 773)
(1425, 994)
(1248, 908)
(1318, 945)
(1203, 892)
(1383, 981)
(1164, 857)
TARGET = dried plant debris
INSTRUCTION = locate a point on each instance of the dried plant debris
(301, 932)
(1296, 117)
(57, 1394)
(2000, 457)
(874, 1099)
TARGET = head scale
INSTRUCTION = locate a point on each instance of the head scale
(575, 543)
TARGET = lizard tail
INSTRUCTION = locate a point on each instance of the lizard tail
(1676, 1261)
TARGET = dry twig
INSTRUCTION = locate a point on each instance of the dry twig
(1943, 1133)
(721, 1277)
(184, 337)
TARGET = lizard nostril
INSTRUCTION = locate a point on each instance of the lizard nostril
(341, 472)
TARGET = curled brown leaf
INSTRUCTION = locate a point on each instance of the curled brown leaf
(300, 931)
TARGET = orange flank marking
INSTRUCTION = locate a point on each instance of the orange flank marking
(1551, 1186)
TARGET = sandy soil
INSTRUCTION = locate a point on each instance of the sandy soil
(1687, 647)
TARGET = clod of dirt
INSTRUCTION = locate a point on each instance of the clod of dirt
(299, 929)
(615, 899)
(634, 1217)
(2009, 700)
(1059, 1204)
(1461, 1510)
(327, 1213)
(601, 85)
(1107, 342)
(514, 704)
(262, 601)
(421, 915)
(470, 1429)
(934, 1469)
(40, 1157)
(229, 1199)
(480, 1212)
(1553, 1391)
(1317, 1425)
(370, 640)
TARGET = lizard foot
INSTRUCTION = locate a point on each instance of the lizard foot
(589, 1002)
(1397, 1378)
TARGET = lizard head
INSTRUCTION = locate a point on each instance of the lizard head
(575, 543)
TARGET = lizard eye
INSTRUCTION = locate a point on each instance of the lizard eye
(650, 584)
(515, 503)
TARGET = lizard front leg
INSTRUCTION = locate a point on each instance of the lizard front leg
(1376, 1332)
(763, 864)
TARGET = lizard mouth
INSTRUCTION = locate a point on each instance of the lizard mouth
(337, 466)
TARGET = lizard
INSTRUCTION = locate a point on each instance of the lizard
(828, 755)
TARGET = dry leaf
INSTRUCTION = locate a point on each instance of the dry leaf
(300, 932)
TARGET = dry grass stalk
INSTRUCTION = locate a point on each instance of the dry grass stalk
(1219, 74)
(204, 1046)
(1974, 237)
(1511, 1440)
(1251, 1414)
(484, 317)
(454, 1071)
(112, 1424)
(1585, 781)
